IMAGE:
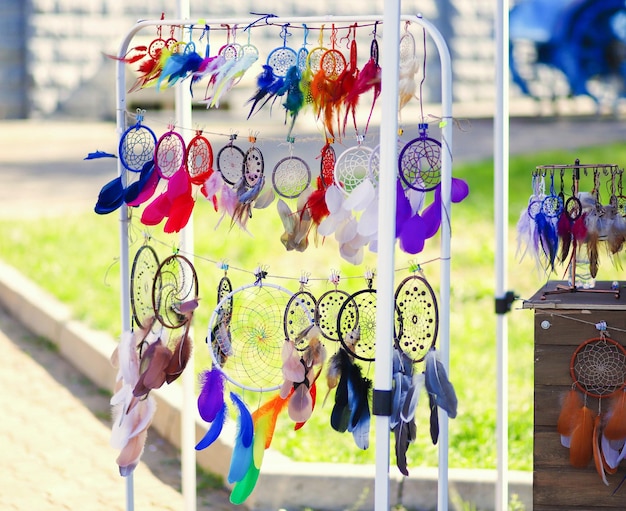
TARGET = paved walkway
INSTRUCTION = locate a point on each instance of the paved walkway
(55, 440)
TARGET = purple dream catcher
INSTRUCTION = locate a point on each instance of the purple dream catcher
(419, 162)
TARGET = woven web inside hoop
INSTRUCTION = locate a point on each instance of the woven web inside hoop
(177, 283)
(420, 164)
(598, 367)
(199, 159)
(255, 335)
(144, 269)
(352, 167)
(281, 59)
(291, 176)
(170, 154)
(137, 147)
(230, 163)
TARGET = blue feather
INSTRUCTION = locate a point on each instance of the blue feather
(245, 425)
(548, 236)
(358, 398)
(439, 386)
(240, 461)
(98, 154)
(214, 431)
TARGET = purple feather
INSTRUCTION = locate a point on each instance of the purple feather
(403, 208)
(211, 398)
(459, 190)
(412, 237)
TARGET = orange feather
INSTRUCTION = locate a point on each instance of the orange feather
(615, 428)
(269, 412)
(581, 445)
(597, 455)
(572, 403)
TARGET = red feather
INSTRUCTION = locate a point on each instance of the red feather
(616, 425)
(581, 445)
(316, 203)
(569, 413)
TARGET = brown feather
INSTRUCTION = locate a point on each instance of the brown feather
(597, 455)
(572, 403)
(581, 445)
(615, 428)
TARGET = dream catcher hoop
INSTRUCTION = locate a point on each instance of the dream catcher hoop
(327, 165)
(137, 145)
(417, 305)
(255, 338)
(199, 158)
(357, 322)
(230, 161)
(315, 55)
(298, 317)
(420, 162)
(598, 367)
(327, 311)
(169, 156)
(142, 281)
(352, 167)
(332, 61)
(291, 176)
(282, 58)
(253, 164)
(373, 169)
(177, 288)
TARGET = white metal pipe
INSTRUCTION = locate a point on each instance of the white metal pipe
(385, 309)
(120, 116)
(183, 113)
(501, 213)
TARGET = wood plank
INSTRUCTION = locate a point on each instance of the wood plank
(575, 326)
(577, 489)
(605, 300)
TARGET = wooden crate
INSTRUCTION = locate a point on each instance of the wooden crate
(562, 322)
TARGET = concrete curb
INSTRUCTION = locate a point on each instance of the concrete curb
(283, 483)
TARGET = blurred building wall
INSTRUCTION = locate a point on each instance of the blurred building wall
(55, 61)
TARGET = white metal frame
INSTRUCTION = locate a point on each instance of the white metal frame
(391, 20)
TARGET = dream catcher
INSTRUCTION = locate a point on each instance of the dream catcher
(137, 145)
(169, 155)
(298, 316)
(271, 83)
(230, 161)
(315, 205)
(136, 153)
(325, 87)
(250, 355)
(291, 176)
(142, 281)
(253, 164)
(327, 310)
(419, 162)
(416, 304)
(175, 296)
(598, 370)
(352, 167)
(199, 159)
(220, 335)
(357, 316)
(149, 58)
(409, 66)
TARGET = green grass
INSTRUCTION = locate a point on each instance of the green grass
(76, 259)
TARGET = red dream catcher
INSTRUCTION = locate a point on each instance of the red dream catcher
(199, 159)
(598, 371)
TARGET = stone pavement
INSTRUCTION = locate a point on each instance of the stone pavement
(55, 440)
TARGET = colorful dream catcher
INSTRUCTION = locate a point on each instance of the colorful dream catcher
(598, 370)
(272, 82)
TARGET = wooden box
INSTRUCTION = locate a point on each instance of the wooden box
(562, 323)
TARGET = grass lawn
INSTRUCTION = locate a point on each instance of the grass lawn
(76, 259)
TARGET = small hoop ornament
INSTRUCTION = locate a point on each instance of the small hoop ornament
(199, 159)
(598, 367)
(327, 165)
(352, 167)
(177, 284)
(142, 280)
(298, 316)
(282, 58)
(170, 155)
(230, 160)
(417, 305)
(137, 145)
(420, 162)
(291, 176)
(326, 313)
(253, 166)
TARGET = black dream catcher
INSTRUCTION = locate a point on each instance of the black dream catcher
(230, 162)
(142, 280)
